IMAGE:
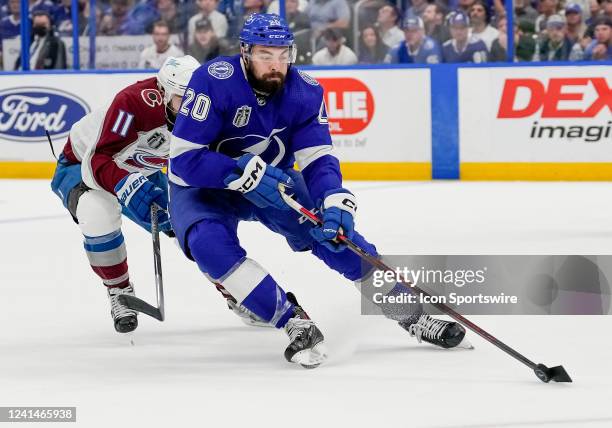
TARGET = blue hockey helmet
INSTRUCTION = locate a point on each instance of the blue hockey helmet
(266, 29)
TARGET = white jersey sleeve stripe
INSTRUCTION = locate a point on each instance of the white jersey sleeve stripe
(178, 146)
(305, 157)
(118, 121)
(126, 125)
(243, 278)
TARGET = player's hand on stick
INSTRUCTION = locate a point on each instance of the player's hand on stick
(258, 182)
(137, 193)
(339, 208)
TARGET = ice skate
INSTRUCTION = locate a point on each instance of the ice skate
(446, 334)
(307, 347)
(125, 319)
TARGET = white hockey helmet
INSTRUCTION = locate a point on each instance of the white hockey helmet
(175, 74)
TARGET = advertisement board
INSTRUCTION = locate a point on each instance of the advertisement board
(376, 133)
(535, 123)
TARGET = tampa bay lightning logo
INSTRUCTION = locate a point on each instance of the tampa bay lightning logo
(146, 160)
(221, 69)
(270, 147)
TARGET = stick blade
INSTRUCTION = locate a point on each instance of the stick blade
(545, 374)
(560, 375)
(139, 305)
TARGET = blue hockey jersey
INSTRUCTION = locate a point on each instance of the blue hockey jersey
(221, 119)
(428, 53)
(475, 51)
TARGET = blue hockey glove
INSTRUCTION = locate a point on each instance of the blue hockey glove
(339, 208)
(258, 182)
(137, 193)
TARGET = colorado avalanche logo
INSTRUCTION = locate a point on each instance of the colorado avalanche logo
(151, 97)
(266, 147)
(145, 160)
(221, 69)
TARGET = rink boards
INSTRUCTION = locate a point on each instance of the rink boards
(388, 123)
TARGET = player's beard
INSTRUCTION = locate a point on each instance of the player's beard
(266, 84)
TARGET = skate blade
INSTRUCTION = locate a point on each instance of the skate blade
(311, 358)
(465, 344)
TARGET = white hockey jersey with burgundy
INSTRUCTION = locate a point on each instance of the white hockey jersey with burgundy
(128, 135)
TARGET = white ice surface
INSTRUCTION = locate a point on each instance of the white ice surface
(202, 367)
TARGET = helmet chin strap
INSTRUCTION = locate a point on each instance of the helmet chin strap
(170, 117)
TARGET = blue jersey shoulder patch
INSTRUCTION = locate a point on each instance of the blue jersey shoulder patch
(221, 69)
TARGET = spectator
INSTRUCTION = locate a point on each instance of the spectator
(62, 17)
(461, 48)
(367, 13)
(555, 45)
(113, 22)
(464, 6)
(574, 22)
(174, 16)
(335, 51)
(205, 45)
(417, 47)
(594, 9)
(296, 19)
(607, 8)
(326, 14)
(600, 49)
(208, 9)
(524, 45)
(598, 10)
(274, 8)
(481, 30)
(433, 18)
(141, 17)
(547, 8)
(47, 51)
(525, 15)
(388, 18)
(154, 55)
(417, 8)
(248, 8)
(372, 50)
(42, 6)
(10, 25)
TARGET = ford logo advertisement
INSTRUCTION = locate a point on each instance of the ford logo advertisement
(25, 113)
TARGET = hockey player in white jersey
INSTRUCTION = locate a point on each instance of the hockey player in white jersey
(111, 164)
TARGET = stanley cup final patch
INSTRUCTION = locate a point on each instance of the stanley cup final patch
(242, 116)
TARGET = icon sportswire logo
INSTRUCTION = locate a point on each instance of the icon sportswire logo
(25, 113)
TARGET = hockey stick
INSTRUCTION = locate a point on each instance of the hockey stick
(140, 305)
(545, 374)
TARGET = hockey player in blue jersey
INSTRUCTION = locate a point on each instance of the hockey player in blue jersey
(417, 48)
(462, 47)
(244, 121)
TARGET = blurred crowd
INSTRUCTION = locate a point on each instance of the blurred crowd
(330, 32)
